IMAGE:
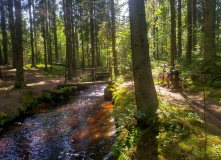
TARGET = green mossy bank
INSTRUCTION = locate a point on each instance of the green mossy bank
(29, 101)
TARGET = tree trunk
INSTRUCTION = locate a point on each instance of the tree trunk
(74, 48)
(49, 41)
(82, 40)
(209, 29)
(55, 30)
(154, 39)
(4, 33)
(92, 35)
(77, 45)
(73, 44)
(179, 30)
(44, 34)
(1, 58)
(157, 44)
(12, 30)
(218, 9)
(194, 26)
(173, 33)
(19, 82)
(35, 33)
(96, 43)
(146, 97)
(189, 28)
(31, 36)
(113, 31)
(68, 39)
(47, 32)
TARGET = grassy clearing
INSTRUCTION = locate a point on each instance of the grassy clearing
(181, 136)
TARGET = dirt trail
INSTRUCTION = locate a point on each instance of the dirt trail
(194, 101)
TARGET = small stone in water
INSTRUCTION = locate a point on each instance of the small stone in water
(18, 123)
(75, 155)
(67, 154)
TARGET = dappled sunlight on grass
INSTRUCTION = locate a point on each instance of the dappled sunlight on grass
(182, 135)
(181, 128)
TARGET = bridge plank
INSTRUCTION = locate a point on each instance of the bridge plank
(85, 84)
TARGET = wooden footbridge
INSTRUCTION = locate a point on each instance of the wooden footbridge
(94, 82)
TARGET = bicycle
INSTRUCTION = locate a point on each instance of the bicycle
(172, 77)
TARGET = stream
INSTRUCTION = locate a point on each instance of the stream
(80, 129)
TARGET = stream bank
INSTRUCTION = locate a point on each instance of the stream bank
(30, 101)
(79, 129)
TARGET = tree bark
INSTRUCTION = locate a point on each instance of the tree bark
(179, 30)
(82, 40)
(31, 36)
(76, 45)
(113, 31)
(173, 33)
(209, 30)
(19, 82)
(218, 9)
(4, 33)
(68, 39)
(1, 58)
(12, 31)
(44, 17)
(55, 30)
(145, 93)
(194, 25)
(92, 35)
(73, 42)
(35, 33)
(189, 28)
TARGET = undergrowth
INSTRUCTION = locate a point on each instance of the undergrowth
(128, 134)
(181, 131)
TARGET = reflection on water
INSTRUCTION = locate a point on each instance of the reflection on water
(81, 129)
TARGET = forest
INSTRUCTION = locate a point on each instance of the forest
(159, 61)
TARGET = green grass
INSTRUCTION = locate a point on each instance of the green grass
(181, 136)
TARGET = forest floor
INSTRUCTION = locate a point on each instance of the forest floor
(37, 83)
(180, 97)
(195, 101)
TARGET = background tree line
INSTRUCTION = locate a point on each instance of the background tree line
(184, 29)
(95, 33)
(73, 32)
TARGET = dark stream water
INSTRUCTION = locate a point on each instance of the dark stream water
(80, 129)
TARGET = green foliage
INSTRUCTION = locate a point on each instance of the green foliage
(120, 79)
(181, 130)
(49, 98)
(124, 114)
(215, 95)
(29, 100)
(213, 76)
(182, 135)
(2, 117)
(86, 79)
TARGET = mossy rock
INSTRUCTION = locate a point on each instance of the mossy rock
(108, 93)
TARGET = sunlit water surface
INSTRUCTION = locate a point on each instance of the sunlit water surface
(81, 129)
